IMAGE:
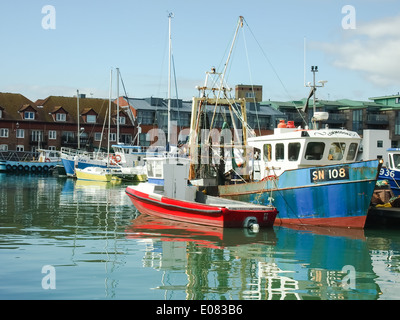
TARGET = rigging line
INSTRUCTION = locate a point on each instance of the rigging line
(251, 80)
(275, 72)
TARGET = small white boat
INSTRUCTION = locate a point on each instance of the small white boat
(94, 174)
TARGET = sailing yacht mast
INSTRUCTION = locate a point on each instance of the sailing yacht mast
(117, 105)
(77, 108)
(109, 120)
(170, 16)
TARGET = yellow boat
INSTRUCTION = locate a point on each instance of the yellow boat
(94, 174)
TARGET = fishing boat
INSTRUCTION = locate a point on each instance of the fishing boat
(310, 175)
(180, 201)
(391, 172)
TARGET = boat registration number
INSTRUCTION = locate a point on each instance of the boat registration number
(329, 174)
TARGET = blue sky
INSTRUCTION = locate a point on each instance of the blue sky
(91, 37)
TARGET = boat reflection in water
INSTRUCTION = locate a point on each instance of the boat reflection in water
(279, 263)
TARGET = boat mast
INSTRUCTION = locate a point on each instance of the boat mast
(117, 105)
(77, 115)
(170, 16)
(109, 120)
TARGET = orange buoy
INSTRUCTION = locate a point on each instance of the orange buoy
(282, 124)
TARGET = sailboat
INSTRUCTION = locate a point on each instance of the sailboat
(96, 173)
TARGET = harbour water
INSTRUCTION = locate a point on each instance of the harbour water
(67, 239)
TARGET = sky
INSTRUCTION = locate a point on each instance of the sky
(74, 45)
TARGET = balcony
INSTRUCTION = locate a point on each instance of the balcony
(377, 119)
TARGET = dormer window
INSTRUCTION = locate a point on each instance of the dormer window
(90, 118)
(59, 114)
(29, 115)
(27, 112)
(89, 115)
(61, 117)
(122, 120)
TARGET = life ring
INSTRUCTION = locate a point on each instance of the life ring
(47, 160)
(117, 158)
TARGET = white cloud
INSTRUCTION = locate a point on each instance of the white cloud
(372, 48)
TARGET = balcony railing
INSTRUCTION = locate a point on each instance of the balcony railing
(377, 119)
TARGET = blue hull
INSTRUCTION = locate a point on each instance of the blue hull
(326, 196)
(393, 177)
(68, 166)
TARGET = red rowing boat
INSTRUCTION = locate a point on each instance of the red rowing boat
(205, 209)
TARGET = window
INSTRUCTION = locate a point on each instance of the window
(52, 148)
(1, 113)
(397, 124)
(29, 115)
(3, 133)
(294, 151)
(69, 136)
(97, 136)
(379, 144)
(20, 133)
(20, 148)
(267, 152)
(250, 95)
(279, 151)
(146, 117)
(91, 118)
(314, 151)
(36, 136)
(336, 151)
(52, 135)
(122, 120)
(61, 117)
(397, 100)
(352, 151)
(3, 147)
(113, 136)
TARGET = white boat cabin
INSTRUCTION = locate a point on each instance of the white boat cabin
(393, 159)
(293, 148)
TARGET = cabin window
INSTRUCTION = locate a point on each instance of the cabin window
(267, 152)
(294, 151)
(279, 151)
(336, 151)
(396, 159)
(352, 151)
(314, 151)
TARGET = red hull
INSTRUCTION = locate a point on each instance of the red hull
(194, 212)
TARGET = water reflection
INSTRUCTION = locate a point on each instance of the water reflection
(103, 249)
(278, 263)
